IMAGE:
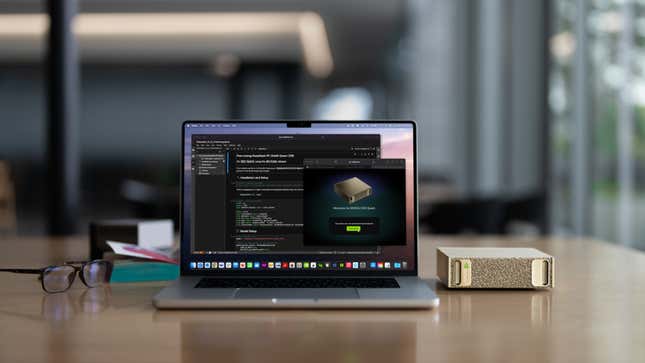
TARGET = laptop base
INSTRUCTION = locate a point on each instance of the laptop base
(413, 293)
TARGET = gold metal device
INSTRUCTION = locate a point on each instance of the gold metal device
(495, 267)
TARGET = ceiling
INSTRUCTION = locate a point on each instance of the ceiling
(361, 32)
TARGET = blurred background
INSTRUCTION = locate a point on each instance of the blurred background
(531, 113)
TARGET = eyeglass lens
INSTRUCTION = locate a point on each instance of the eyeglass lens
(58, 278)
(96, 273)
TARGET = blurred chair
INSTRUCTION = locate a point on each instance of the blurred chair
(151, 201)
(466, 216)
(435, 188)
(7, 200)
(519, 215)
(526, 214)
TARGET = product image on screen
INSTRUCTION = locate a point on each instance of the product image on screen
(353, 202)
(352, 190)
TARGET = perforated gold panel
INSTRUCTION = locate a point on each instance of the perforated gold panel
(505, 268)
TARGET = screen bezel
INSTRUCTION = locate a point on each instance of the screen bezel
(184, 259)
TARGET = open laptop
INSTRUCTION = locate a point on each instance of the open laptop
(298, 214)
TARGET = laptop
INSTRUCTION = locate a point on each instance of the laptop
(298, 214)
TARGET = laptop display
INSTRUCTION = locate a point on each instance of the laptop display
(305, 198)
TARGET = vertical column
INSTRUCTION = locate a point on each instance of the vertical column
(494, 97)
(437, 92)
(545, 131)
(581, 132)
(62, 132)
(625, 128)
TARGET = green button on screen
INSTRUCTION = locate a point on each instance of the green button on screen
(353, 228)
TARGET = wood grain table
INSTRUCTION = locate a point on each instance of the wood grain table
(596, 313)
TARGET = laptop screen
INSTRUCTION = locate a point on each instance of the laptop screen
(298, 198)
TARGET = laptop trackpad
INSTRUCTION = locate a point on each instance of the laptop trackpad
(346, 293)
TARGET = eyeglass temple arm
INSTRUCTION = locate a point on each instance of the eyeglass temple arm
(76, 262)
(22, 270)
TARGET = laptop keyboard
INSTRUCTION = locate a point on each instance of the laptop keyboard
(298, 283)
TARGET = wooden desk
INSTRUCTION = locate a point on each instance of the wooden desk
(593, 315)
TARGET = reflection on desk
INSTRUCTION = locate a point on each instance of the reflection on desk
(528, 306)
(593, 315)
(327, 338)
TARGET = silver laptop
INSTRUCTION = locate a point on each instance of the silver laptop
(298, 214)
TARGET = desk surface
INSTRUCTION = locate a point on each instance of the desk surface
(593, 315)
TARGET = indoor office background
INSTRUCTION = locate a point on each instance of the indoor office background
(530, 113)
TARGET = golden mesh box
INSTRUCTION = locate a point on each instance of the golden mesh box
(495, 267)
(352, 190)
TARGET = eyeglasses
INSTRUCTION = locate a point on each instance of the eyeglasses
(60, 278)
